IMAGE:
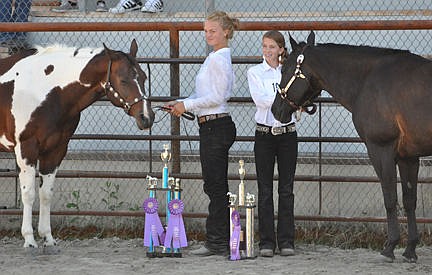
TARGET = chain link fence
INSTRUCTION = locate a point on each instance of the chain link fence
(108, 195)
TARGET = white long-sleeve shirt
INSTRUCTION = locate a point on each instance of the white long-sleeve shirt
(263, 81)
(213, 85)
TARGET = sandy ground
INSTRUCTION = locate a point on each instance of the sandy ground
(117, 256)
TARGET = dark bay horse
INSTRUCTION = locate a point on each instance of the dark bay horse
(389, 93)
(42, 93)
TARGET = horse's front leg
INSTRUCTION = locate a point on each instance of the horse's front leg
(408, 169)
(45, 196)
(27, 184)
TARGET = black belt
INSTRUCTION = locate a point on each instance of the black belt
(276, 130)
(206, 118)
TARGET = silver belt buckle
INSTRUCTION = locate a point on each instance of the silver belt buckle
(277, 130)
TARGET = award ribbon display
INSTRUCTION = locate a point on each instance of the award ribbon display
(153, 227)
(175, 230)
(235, 237)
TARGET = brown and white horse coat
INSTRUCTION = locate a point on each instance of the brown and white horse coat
(42, 93)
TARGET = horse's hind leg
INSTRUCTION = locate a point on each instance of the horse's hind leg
(383, 161)
(45, 195)
(408, 169)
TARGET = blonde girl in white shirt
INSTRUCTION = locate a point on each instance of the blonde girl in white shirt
(213, 88)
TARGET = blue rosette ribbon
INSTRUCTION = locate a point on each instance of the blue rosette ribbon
(175, 231)
(153, 229)
(235, 237)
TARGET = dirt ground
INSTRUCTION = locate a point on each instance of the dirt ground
(117, 256)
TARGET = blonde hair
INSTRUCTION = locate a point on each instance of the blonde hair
(226, 22)
(280, 41)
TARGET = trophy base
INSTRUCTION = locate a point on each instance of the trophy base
(153, 255)
(164, 254)
(244, 256)
(172, 254)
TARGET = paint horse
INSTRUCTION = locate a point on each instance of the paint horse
(389, 93)
(42, 93)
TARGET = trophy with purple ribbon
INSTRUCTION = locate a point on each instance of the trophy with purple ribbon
(173, 236)
(241, 246)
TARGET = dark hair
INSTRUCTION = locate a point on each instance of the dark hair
(226, 22)
(280, 41)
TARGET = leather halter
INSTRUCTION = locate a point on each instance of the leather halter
(284, 92)
(110, 89)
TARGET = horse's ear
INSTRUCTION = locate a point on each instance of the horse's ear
(294, 44)
(133, 48)
(311, 39)
(107, 50)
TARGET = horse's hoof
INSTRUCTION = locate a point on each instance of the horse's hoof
(51, 250)
(409, 257)
(387, 259)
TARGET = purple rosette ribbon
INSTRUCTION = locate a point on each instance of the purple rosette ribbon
(235, 237)
(153, 229)
(175, 231)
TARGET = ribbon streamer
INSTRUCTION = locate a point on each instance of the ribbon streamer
(175, 230)
(153, 229)
(235, 237)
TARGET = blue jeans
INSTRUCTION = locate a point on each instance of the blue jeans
(216, 138)
(267, 149)
(20, 14)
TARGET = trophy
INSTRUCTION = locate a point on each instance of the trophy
(175, 236)
(246, 202)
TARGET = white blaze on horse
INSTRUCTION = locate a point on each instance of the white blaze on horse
(42, 93)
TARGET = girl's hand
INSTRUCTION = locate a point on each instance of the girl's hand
(178, 109)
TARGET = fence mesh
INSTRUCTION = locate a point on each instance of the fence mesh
(346, 199)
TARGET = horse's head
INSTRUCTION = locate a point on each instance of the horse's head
(125, 85)
(298, 87)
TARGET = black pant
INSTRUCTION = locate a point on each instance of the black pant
(216, 138)
(267, 148)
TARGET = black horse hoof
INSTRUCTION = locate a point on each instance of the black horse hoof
(388, 256)
(386, 259)
(409, 257)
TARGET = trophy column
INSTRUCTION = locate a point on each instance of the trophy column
(166, 157)
(232, 200)
(250, 205)
(152, 187)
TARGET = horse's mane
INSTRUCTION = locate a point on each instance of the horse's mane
(364, 49)
(74, 51)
